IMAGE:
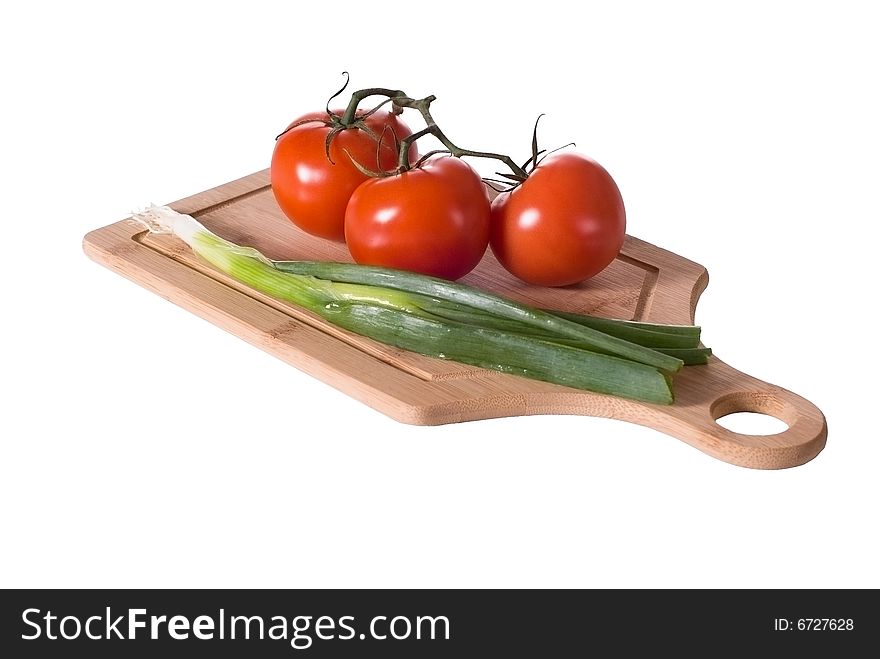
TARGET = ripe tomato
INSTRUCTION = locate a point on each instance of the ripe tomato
(313, 192)
(433, 219)
(565, 223)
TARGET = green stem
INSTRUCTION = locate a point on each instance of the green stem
(423, 105)
(348, 117)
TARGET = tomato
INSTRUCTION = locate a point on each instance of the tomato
(433, 219)
(565, 223)
(312, 191)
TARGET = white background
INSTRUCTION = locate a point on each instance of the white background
(141, 446)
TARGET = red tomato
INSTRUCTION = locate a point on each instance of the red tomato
(433, 219)
(562, 225)
(313, 192)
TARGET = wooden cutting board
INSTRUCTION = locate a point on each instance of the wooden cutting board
(644, 283)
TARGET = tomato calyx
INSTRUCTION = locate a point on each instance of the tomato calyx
(351, 118)
(513, 181)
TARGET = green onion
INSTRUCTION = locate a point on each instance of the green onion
(466, 297)
(504, 352)
(443, 319)
(608, 323)
(690, 356)
(673, 343)
(646, 334)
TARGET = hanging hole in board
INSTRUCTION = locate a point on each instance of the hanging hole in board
(752, 423)
(749, 413)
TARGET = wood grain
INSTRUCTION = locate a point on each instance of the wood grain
(644, 283)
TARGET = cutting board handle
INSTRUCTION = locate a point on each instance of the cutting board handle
(701, 401)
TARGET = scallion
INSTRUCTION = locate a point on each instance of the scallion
(444, 319)
(465, 298)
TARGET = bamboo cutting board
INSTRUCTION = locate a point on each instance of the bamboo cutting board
(644, 283)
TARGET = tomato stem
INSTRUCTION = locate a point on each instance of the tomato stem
(423, 105)
(534, 158)
(350, 115)
(400, 100)
(330, 112)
